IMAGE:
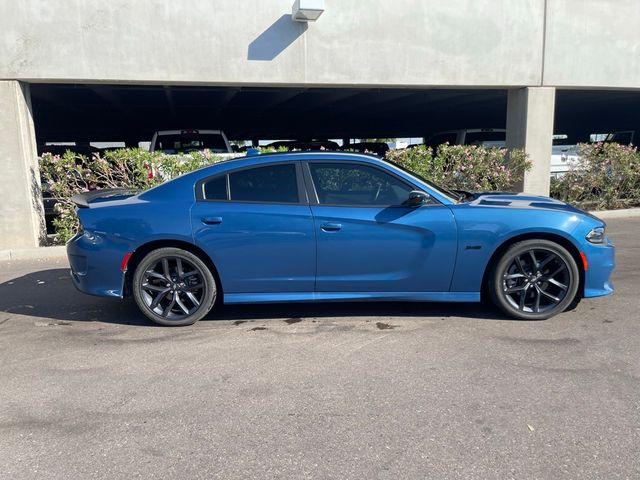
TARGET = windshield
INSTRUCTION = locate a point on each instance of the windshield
(485, 138)
(188, 142)
(455, 198)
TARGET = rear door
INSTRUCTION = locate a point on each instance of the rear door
(257, 227)
(368, 241)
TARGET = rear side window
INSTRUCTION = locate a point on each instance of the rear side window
(273, 183)
(216, 189)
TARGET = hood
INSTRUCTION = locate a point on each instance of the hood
(523, 201)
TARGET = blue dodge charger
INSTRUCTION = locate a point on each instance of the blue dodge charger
(326, 226)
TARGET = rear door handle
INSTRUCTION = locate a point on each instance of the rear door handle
(211, 220)
(331, 227)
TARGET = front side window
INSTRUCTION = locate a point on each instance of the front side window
(273, 183)
(353, 184)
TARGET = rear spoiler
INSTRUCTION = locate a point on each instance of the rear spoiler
(83, 200)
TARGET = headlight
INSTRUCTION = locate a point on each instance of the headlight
(596, 235)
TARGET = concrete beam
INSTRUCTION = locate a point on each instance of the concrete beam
(530, 113)
(21, 211)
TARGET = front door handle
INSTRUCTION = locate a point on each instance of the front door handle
(331, 227)
(211, 220)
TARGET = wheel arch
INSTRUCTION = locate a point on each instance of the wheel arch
(553, 237)
(140, 252)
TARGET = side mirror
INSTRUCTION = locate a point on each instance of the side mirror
(417, 198)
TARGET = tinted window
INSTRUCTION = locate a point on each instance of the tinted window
(623, 138)
(481, 138)
(216, 189)
(350, 184)
(275, 183)
(187, 142)
(441, 138)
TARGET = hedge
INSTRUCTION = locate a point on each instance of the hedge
(605, 176)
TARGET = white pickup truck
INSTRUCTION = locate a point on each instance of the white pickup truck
(177, 142)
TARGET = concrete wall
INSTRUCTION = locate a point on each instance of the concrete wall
(592, 43)
(21, 213)
(399, 42)
(372, 42)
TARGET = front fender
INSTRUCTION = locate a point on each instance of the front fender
(483, 230)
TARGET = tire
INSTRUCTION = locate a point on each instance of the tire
(534, 280)
(173, 287)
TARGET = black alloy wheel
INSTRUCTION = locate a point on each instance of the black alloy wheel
(172, 286)
(534, 280)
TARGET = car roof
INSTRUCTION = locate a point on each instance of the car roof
(174, 132)
(273, 157)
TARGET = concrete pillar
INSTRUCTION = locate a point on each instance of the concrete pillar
(530, 113)
(21, 211)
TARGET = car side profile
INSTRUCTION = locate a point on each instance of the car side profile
(332, 226)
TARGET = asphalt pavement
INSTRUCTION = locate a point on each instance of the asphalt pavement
(90, 389)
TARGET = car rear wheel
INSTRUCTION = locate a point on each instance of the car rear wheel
(173, 287)
(534, 280)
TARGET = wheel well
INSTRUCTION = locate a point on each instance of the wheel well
(140, 252)
(559, 239)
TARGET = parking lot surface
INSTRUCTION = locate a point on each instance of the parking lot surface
(90, 389)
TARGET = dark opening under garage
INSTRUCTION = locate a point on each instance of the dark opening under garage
(131, 113)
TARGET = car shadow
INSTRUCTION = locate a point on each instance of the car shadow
(50, 294)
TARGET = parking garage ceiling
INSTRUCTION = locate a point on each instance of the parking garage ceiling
(98, 112)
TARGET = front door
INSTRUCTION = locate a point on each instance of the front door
(368, 241)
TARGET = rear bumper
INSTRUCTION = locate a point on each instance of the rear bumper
(601, 260)
(95, 265)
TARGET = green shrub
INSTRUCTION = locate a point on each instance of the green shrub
(606, 176)
(71, 173)
(465, 167)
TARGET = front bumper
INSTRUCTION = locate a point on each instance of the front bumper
(601, 260)
(95, 264)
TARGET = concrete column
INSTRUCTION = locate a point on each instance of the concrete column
(21, 211)
(530, 113)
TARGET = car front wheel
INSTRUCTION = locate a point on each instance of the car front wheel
(534, 280)
(173, 287)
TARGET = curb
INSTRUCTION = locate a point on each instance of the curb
(41, 253)
(624, 213)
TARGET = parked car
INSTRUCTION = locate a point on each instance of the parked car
(623, 137)
(378, 148)
(305, 145)
(328, 226)
(563, 158)
(489, 137)
(174, 142)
